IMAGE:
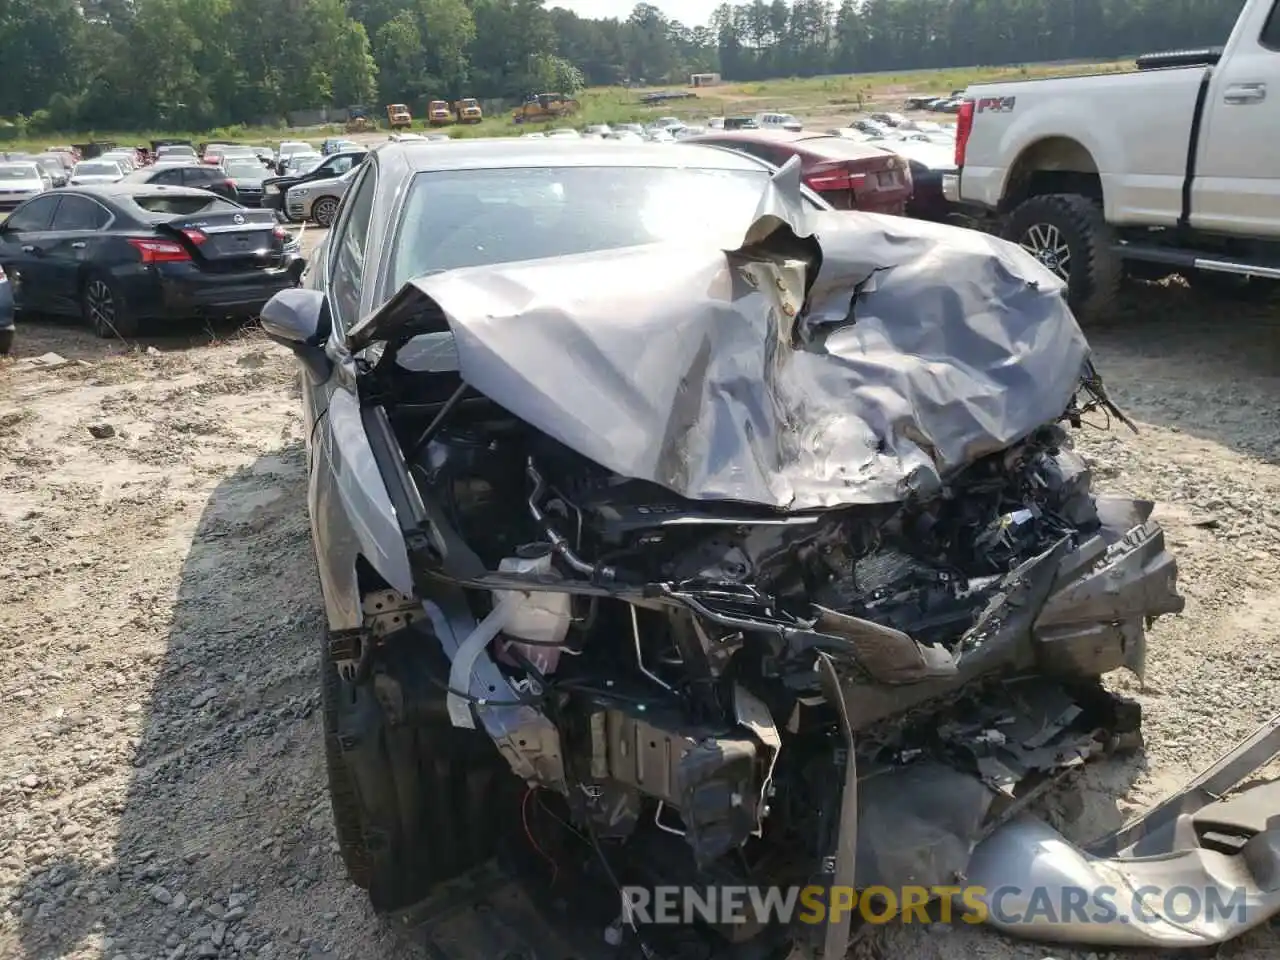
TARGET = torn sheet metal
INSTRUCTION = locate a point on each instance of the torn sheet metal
(918, 348)
(1193, 871)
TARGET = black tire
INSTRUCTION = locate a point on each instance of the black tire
(1091, 268)
(105, 309)
(415, 802)
(324, 210)
(6, 341)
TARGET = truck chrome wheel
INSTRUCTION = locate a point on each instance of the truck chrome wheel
(1046, 243)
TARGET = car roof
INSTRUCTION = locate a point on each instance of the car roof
(125, 190)
(802, 140)
(499, 152)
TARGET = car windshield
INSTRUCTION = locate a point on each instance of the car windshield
(305, 163)
(97, 169)
(244, 168)
(19, 171)
(465, 218)
(176, 150)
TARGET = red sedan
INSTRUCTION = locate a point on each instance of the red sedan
(848, 174)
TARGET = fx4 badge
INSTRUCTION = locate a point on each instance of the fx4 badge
(996, 104)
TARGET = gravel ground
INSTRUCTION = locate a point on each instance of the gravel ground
(161, 773)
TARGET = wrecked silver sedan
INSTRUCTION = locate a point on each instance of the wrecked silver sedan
(738, 548)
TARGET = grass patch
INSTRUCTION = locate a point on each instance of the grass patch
(620, 105)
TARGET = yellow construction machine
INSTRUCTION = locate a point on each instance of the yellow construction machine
(545, 106)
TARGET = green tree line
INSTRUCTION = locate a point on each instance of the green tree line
(191, 64)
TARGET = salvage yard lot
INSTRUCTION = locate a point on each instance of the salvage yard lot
(161, 771)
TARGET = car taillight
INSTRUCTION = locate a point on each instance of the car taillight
(837, 178)
(279, 232)
(964, 126)
(195, 236)
(160, 251)
(231, 184)
(2, 273)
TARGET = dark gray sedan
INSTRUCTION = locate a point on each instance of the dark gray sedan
(247, 173)
(661, 506)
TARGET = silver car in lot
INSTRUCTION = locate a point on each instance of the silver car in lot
(21, 180)
(97, 171)
(318, 200)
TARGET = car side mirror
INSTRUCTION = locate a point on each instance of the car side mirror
(299, 319)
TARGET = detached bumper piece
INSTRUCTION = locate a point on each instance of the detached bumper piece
(1192, 872)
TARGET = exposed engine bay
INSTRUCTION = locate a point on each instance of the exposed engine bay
(856, 688)
(678, 649)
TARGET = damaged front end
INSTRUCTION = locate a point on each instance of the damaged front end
(781, 570)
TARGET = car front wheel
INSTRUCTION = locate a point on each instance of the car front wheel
(416, 801)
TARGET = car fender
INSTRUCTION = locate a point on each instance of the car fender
(351, 514)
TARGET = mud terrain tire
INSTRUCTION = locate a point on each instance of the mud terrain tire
(415, 802)
(1094, 272)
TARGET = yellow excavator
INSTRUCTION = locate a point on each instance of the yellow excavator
(545, 106)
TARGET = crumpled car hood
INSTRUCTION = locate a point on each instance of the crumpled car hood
(767, 374)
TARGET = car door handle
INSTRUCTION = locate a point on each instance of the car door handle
(1246, 93)
(78, 245)
(28, 248)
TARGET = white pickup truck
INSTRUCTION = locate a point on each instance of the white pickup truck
(1173, 167)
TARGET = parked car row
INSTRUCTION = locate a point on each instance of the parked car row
(884, 162)
(97, 256)
(948, 104)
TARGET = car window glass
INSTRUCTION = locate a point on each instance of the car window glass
(197, 174)
(758, 150)
(168, 176)
(1271, 32)
(79, 213)
(169, 205)
(351, 243)
(36, 215)
(470, 218)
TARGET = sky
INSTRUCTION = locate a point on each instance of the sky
(692, 13)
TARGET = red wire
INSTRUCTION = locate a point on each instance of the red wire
(524, 818)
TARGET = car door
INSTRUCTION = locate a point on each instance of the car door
(337, 166)
(74, 239)
(337, 269)
(22, 240)
(171, 177)
(1236, 189)
(346, 494)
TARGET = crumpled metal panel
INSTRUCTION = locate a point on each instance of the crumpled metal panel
(1193, 871)
(917, 349)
